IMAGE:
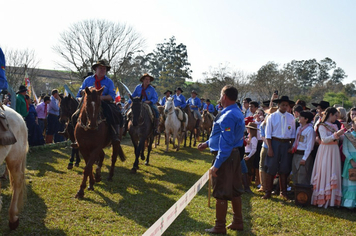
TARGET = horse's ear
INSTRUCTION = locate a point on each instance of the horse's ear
(87, 90)
(100, 91)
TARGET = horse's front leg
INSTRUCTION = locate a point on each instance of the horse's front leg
(167, 140)
(113, 161)
(88, 169)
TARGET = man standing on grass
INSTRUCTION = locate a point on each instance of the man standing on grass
(224, 142)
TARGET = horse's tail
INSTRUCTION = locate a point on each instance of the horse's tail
(121, 154)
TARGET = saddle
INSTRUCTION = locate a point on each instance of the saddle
(6, 135)
(150, 111)
(180, 114)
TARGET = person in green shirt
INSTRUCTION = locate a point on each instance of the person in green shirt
(21, 105)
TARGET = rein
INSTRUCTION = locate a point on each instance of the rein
(86, 126)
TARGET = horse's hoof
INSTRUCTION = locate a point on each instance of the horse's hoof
(133, 171)
(147, 164)
(80, 194)
(143, 158)
(70, 166)
(76, 164)
(90, 188)
(15, 224)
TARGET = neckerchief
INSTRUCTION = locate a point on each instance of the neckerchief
(97, 82)
(143, 92)
(27, 105)
(298, 136)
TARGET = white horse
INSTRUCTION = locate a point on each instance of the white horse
(173, 124)
(15, 157)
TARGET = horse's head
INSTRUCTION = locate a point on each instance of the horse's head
(91, 107)
(136, 108)
(169, 106)
(68, 106)
(204, 115)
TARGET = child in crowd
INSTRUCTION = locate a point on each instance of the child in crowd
(250, 148)
(349, 186)
(326, 175)
(302, 164)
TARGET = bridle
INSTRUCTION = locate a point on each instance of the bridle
(86, 125)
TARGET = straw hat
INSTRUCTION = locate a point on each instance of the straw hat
(146, 75)
(251, 125)
(101, 62)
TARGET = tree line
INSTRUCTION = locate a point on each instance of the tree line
(87, 41)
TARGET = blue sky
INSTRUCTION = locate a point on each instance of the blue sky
(243, 34)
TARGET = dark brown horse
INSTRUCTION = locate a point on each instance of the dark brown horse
(140, 128)
(92, 135)
(68, 106)
(191, 127)
(160, 125)
(207, 123)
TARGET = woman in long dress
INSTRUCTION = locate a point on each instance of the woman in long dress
(326, 175)
(348, 186)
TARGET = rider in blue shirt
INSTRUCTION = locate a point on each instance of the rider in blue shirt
(208, 106)
(167, 94)
(3, 80)
(194, 104)
(110, 111)
(149, 96)
(179, 99)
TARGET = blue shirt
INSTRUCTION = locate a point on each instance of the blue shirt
(3, 80)
(197, 103)
(227, 133)
(211, 108)
(53, 106)
(109, 88)
(150, 92)
(163, 102)
(179, 101)
(202, 105)
(218, 107)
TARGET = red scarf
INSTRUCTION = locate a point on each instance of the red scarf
(97, 82)
(27, 105)
(143, 92)
(298, 136)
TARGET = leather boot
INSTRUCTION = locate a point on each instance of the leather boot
(49, 139)
(268, 185)
(263, 181)
(245, 181)
(237, 222)
(115, 133)
(283, 186)
(155, 126)
(220, 222)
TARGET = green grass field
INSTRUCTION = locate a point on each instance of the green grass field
(133, 202)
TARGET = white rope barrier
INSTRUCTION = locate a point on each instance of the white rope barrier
(167, 218)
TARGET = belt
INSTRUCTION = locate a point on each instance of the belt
(299, 152)
(281, 140)
(41, 118)
(216, 152)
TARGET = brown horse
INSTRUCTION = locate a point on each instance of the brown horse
(92, 135)
(140, 128)
(191, 127)
(68, 106)
(207, 123)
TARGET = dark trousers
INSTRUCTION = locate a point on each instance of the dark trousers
(281, 162)
(52, 124)
(228, 183)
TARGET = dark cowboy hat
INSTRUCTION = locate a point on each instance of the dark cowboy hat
(102, 62)
(168, 91)
(146, 75)
(251, 125)
(22, 89)
(208, 100)
(193, 91)
(283, 99)
(179, 88)
(322, 104)
(266, 103)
